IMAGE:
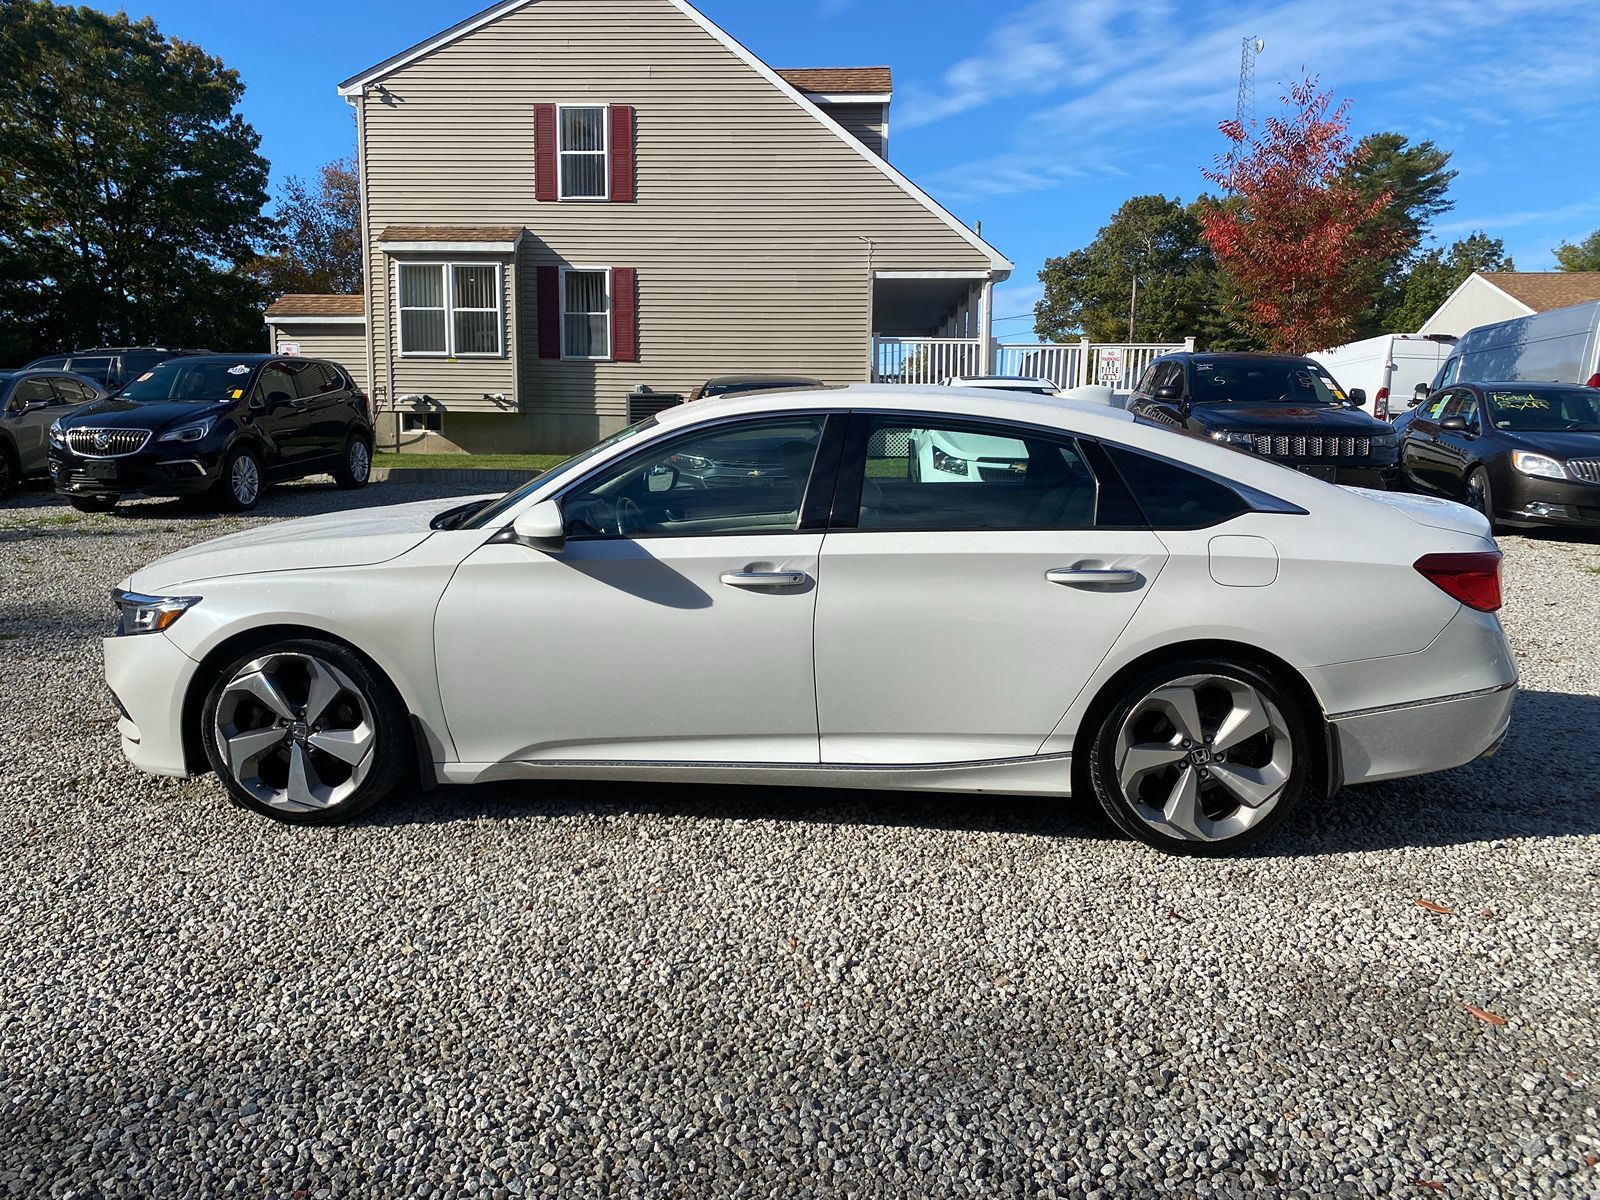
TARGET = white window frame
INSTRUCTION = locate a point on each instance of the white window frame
(610, 318)
(605, 154)
(450, 310)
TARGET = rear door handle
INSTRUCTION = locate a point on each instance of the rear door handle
(764, 579)
(1091, 577)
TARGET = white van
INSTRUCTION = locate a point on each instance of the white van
(1559, 346)
(1387, 367)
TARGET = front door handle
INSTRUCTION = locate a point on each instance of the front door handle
(1092, 577)
(765, 579)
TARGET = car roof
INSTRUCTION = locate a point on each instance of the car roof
(754, 377)
(1235, 356)
(1000, 380)
(1481, 384)
(255, 356)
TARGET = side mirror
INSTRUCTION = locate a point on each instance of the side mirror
(29, 406)
(542, 527)
(1453, 425)
(1168, 392)
(1358, 396)
(662, 478)
(1420, 393)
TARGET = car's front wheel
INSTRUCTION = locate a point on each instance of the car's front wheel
(1480, 493)
(305, 731)
(1200, 757)
(238, 488)
(356, 467)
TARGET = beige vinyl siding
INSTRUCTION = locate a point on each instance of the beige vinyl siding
(343, 344)
(867, 122)
(755, 230)
(457, 383)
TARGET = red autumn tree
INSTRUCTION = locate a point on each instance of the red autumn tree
(1297, 238)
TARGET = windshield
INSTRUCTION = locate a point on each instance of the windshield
(495, 509)
(1546, 410)
(1259, 381)
(187, 381)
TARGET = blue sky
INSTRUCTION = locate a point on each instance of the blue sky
(1039, 118)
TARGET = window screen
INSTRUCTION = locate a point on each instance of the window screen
(583, 153)
(422, 312)
(586, 315)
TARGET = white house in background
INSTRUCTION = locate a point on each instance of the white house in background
(565, 201)
(1486, 297)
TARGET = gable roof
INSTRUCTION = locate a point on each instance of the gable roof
(357, 84)
(839, 81)
(300, 304)
(1544, 290)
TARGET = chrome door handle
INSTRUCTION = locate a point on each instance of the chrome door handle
(1081, 577)
(764, 579)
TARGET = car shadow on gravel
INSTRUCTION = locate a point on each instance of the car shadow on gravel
(1542, 783)
(301, 498)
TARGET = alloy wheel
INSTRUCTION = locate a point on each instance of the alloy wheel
(245, 480)
(1477, 493)
(295, 732)
(360, 461)
(1204, 758)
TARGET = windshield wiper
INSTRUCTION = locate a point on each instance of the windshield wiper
(456, 517)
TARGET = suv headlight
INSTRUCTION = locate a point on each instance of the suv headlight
(58, 435)
(189, 433)
(1385, 439)
(1232, 437)
(1541, 465)
(138, 613)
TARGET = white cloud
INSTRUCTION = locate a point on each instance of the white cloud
(833, 8)
(1512, 220)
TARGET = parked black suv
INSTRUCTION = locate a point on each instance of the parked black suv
(111, 366)
(1279, 406)
(222, 424)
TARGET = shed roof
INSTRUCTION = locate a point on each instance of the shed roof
(833, 81)
(300, 304)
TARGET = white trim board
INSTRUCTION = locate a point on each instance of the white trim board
(976, 275)
(847, 97)
(1001, 266)
(307, 319)
(448, 247)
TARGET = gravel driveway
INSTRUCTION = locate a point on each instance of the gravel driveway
(587, 990)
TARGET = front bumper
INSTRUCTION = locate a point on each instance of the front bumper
(150, 677)
(175, 469)
(1529, 500)
(1423, 736)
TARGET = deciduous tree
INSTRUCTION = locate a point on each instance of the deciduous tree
(1301, 242)
(1580, 256)
(130, 186)
(316, 245)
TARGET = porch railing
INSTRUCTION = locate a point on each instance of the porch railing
(1068, 364)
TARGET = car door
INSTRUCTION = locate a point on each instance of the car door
(324, 407)
(281, 419)
(957, 621)
(29, 412)
(673, 625)
(1455, 451)
(1419, 445)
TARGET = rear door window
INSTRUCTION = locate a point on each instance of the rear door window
(1174, 497)
(97, 367)
(312, 380)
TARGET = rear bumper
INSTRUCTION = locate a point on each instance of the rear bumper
(1423, 736)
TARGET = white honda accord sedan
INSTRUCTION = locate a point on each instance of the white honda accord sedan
(762, 589)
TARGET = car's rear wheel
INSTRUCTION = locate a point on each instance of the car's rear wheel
(1200, 757)
(238, 488)
(306, 732)
(1480, 493)
(93, 504)
(356, 467)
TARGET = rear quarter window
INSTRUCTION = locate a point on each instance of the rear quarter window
(1174, 497)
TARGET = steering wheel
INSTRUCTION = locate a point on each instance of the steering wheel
(627, 516)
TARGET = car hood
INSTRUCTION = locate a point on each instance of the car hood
(1288, 418)
(112, 413)
(1430, 511)
(1558, 445)
(349, 539)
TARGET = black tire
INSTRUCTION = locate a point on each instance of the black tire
(1221, 823)
(355, 465)
(389, 758)
(1480, 493)
(231, 492)
(93, 504)
(10, 472)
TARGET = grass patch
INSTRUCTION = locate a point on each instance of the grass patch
(469, 462)
(9, 637)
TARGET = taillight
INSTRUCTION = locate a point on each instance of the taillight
(1380, 404)
(1594, 380)
(1473, 579)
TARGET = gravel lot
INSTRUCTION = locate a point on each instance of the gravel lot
(586, 990)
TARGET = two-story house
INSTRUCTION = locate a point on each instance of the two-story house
(567, 201)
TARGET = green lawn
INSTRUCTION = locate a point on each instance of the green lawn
(469, 462)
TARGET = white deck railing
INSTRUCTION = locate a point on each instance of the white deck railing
(1068, 364)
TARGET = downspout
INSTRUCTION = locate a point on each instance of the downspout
(986, 325)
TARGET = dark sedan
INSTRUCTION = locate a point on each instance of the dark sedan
(1277, 406)
(1522, 454)
(224, 425)
(30, 401)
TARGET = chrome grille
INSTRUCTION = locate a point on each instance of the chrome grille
(1587, 469)
(1313, 446)
(106, 443)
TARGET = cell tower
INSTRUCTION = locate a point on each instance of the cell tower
(1249, 48)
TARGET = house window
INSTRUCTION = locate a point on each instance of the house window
(583, 152)
(585, 315)
(450, 309)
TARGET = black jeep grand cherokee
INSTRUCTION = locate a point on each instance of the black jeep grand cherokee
(225, 425)
(1279, 406)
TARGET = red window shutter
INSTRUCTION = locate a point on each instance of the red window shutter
(544, 152)
(624, 314)
(549, 297)
(622, 153)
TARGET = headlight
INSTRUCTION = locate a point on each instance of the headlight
(1385, 439)
(948, 463)
(188, 433)
(691, 462)
(148, 614)
(1232, 437)
(58, 435)
(1541, 465)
